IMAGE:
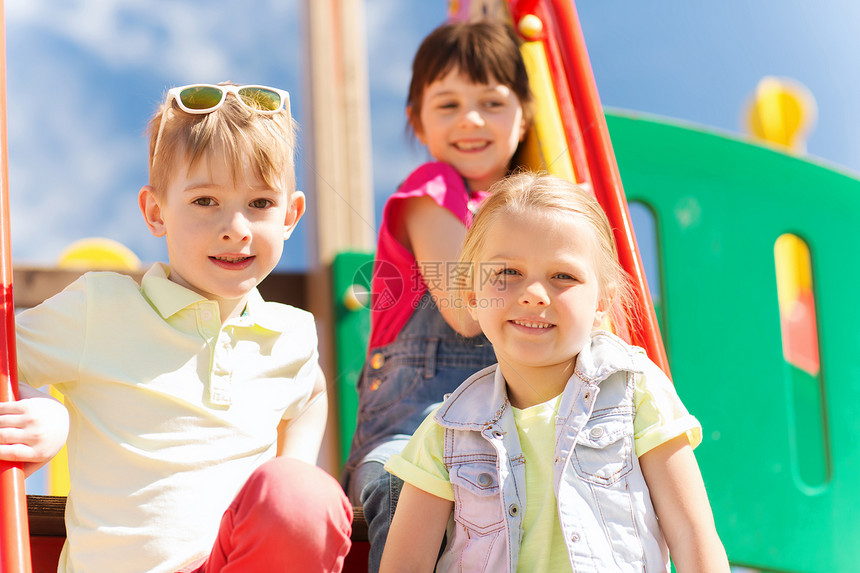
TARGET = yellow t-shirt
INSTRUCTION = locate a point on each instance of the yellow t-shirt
(660, 416)
(536, 430)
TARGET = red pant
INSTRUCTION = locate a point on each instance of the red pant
(289, 516)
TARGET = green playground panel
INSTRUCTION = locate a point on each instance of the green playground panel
(351, 333)
(780, 453)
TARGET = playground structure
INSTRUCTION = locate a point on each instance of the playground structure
(778, 455)
(751, 307)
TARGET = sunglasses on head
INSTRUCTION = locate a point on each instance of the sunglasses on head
(205, 98)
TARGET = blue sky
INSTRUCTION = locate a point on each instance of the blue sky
(84, 76)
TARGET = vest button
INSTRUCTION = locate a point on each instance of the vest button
(374, 384)
(574, 536)
(497, 434)
(485, 480)
(596, 432)
(513, 510)
(377, 360)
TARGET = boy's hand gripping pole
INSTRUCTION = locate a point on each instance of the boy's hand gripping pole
(14, 533)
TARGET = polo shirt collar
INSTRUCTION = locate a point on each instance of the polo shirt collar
(263, 314)
(168, 298)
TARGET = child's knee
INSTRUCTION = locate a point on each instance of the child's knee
(287, 488)
(294, 510)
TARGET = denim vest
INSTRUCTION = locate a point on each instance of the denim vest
(405, 380)
(604, 507)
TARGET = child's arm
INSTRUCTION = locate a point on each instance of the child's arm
(416, 531)
(435, 237)
(682, 506)
(32, 429)
(301, 437)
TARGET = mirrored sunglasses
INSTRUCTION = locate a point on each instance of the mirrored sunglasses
(206, 98)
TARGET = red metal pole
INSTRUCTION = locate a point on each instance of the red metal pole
(603, 169)
(14, 533)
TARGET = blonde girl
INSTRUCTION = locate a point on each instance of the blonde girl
(573, 452)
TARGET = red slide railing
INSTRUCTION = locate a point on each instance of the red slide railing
(594, 149)
(14, 533)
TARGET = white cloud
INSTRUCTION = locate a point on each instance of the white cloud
(184, 38)
(68, 166)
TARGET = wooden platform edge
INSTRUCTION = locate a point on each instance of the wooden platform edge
(359, 525)
(47, 518)
(46, 515)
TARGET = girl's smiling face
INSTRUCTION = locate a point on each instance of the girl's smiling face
(474, 127)
(537, 293)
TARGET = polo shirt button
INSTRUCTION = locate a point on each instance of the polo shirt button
(377, 360)
(206, 315)
(374, 384)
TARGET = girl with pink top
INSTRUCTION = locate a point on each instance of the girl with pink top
(469, 104)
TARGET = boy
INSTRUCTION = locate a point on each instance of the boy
(181, 391)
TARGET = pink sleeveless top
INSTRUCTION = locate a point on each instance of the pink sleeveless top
(397, 285)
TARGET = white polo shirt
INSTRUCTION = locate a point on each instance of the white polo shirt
(170, 411)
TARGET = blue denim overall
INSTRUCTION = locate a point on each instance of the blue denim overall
(402, 382)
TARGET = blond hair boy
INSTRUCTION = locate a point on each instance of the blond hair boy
(196, 408)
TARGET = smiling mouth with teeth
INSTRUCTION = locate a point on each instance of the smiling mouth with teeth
(231, 259)
(471, 146)
(532, 324)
